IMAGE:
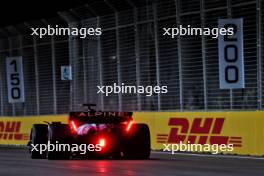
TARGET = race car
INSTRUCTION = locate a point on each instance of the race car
(114, 133)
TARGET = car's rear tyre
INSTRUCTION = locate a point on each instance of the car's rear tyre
(137, 144)
(59, 134)
(39, 135)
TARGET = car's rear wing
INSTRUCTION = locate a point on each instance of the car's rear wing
(100, 117)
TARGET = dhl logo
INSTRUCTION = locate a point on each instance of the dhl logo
(10, 130)
(198, 131)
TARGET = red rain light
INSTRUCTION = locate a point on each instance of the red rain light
(74, 126)
(129, 125)
(102, 142)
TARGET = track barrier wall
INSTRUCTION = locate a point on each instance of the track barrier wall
(16, 130)
(245, 130)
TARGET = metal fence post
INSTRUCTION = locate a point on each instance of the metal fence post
(259, 54)
(178, 21)
(53, 55)
(118, 62)
(1, 89)
(73, 56)
(229, 15)
(203, 55)
(36, 73)
(1, 96)
(22, 53)
(137, 57)
(71, 83)
(84, 73)
(156, 50)
(10, 54)
(117, 52)
(100, 64)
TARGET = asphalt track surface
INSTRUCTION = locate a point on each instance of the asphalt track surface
(16, 161)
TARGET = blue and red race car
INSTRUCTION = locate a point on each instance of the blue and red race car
(107, 135)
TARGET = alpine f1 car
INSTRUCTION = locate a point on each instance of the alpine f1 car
(115, 133)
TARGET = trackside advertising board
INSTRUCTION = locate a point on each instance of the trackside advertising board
(242, 129)
(16, 130)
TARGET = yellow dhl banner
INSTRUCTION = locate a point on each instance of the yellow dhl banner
(16, 130)
(244, 130)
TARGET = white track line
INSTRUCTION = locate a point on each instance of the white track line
(210, 155)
